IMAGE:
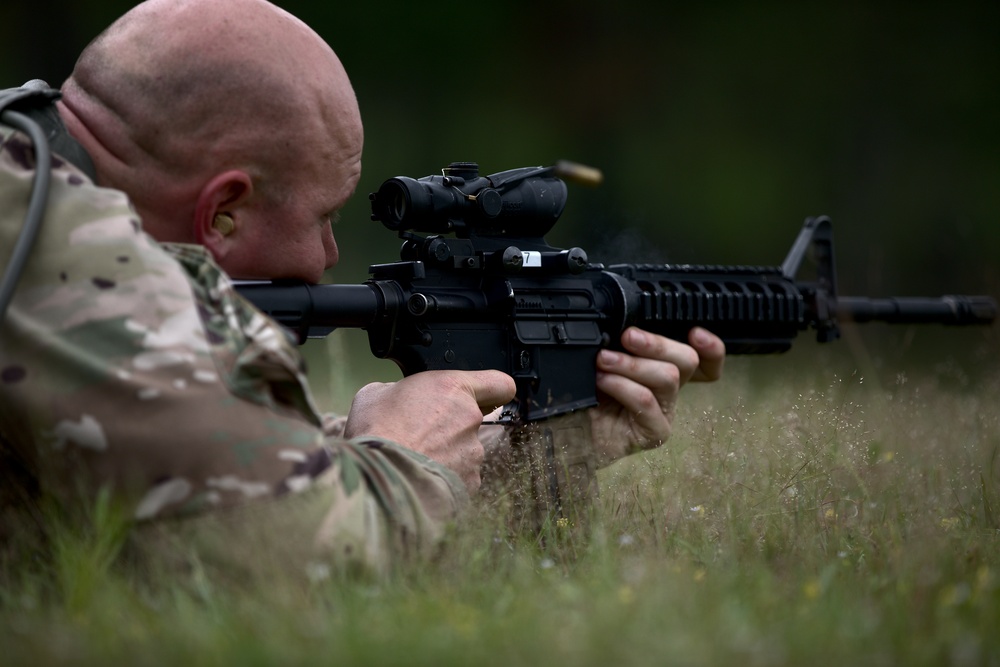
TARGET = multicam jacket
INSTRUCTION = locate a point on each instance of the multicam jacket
(133, 365)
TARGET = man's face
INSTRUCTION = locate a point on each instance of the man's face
(289, 232)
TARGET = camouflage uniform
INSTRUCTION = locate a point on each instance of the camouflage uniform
(130, 364)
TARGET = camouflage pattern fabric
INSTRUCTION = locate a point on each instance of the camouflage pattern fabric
(134, 365)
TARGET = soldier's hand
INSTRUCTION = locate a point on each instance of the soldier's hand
(436, 413)
(638, 391)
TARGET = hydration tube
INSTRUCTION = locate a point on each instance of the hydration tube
(36, 205)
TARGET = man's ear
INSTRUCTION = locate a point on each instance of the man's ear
(219, 212)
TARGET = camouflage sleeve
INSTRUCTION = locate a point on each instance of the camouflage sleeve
(133, 365)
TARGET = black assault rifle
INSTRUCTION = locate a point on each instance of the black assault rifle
(497, 296)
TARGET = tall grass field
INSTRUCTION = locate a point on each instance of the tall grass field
(816, 508)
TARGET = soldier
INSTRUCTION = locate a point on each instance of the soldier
(224, 135)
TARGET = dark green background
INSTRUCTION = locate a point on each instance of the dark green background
(718, 126)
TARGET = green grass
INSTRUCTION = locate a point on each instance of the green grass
(812, 517)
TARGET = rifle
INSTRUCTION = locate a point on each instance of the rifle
(496, 295)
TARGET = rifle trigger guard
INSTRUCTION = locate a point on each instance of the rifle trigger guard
(508, 416)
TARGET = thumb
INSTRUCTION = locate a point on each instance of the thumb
(490, 388)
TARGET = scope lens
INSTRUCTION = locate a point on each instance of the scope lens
(391, 204)
(398, 204)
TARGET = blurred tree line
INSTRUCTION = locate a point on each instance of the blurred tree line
(719, 126)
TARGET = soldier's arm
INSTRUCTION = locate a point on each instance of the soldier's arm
(127, 367)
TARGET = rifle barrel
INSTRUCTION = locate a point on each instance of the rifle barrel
(954, 310)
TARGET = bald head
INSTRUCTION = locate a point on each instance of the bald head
(178, 91)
